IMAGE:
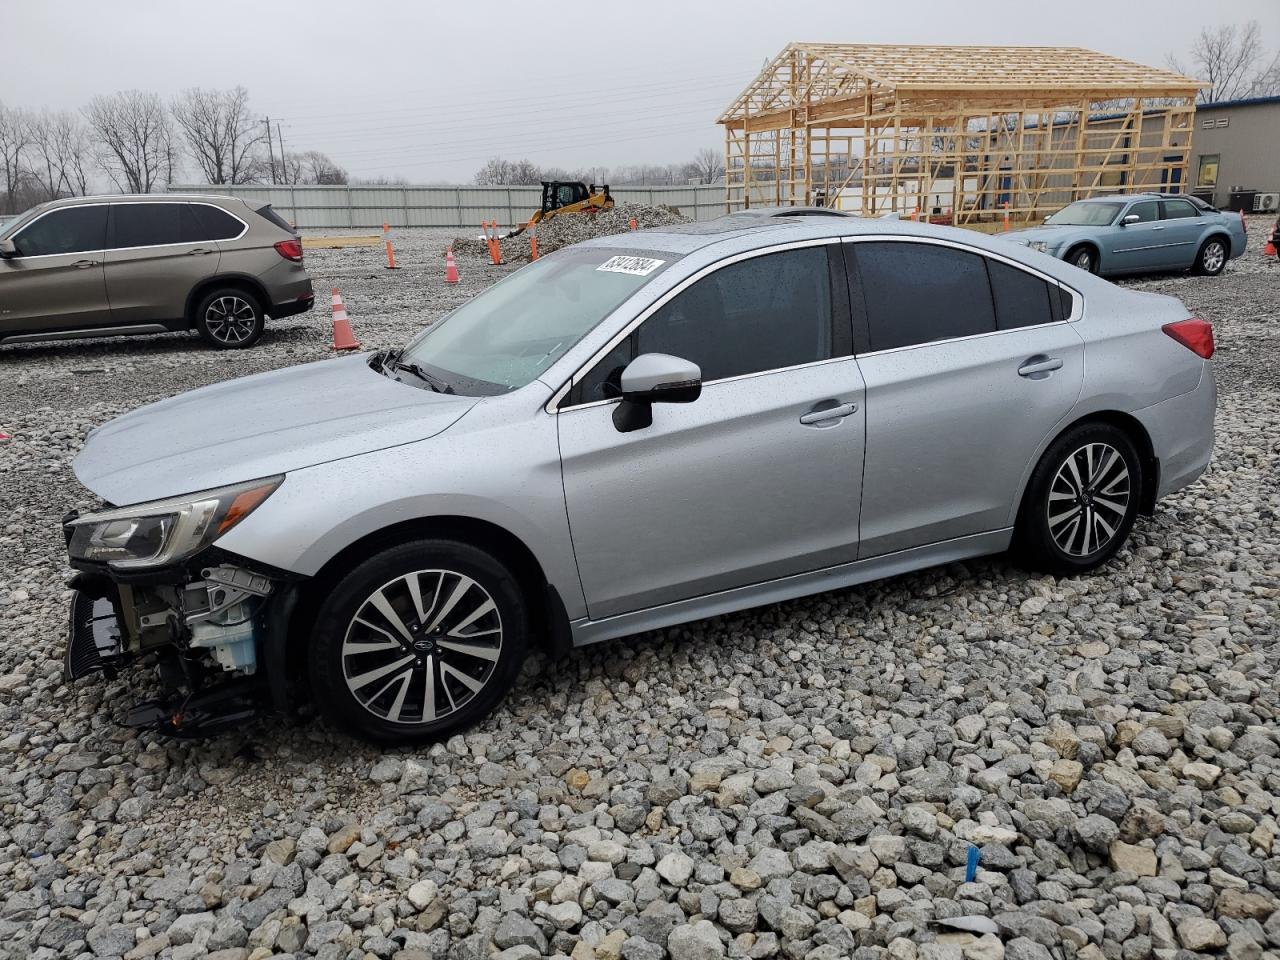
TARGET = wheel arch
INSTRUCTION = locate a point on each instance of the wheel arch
(546, 608)
(1217, 233)
(1074, 245)
(242, 281)
(1136, 432)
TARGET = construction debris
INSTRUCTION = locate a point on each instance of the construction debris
(563, 231)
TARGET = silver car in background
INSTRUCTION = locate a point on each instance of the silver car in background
(629, 433)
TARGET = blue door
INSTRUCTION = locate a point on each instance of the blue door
(1139, 245)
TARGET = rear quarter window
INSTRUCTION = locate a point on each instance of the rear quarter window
(1021, 299)
(269, 214)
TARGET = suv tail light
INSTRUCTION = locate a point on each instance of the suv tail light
(290, 250)
(1194, 334)
(1244, 224)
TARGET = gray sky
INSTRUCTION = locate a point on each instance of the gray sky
(429, 90)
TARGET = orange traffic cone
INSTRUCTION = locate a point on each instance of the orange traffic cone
(450, 267)
(3, 435)
(632, 223)
(1269, 249)
(343, 338)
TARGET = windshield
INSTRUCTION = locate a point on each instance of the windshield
(507, 336)
(1085, 214)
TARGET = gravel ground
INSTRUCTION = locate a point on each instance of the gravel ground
(803, 780)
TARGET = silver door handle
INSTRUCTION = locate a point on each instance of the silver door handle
(82, 264)
(829, 413)
(1039, 365)
(198, 251)
(1157, 228)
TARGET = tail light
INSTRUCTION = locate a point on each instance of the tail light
(1194, 334)
(290, 250)
(1244, 224)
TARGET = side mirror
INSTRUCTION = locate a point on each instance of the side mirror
(1129, 218)
(8, 248)
(654, 378)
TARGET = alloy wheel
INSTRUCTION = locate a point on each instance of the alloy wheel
(1088, 499)
(1083, 260)
(230, 320)
(1214, 257)
(422, 646)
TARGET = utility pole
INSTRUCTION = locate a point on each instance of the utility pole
(284, 168)
(270, 150)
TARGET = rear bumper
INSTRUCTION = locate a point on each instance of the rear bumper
(1181, 432)
(289, 308)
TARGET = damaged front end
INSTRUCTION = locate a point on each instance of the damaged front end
(152, 589)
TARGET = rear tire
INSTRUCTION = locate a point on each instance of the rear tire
(1081, 502)
(230, 318)
(1083, 256)
(1211, 260)
(446, 660)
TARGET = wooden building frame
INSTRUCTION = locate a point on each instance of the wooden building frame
(959, 134)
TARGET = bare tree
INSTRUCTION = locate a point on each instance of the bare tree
(707, 166)
(222, 136)
(1233, 59)
(318, 168)
(136, 138)
(59, 155)
(15, 138)
(499, 171)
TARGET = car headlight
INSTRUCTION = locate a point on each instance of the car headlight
(1038, 245)
(165, 531)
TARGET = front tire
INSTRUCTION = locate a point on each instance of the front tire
(1084, 257)
(230, 318)
(418, 642)
(1081, 502)
(1212, 258)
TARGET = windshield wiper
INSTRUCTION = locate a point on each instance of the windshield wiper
(436, 384)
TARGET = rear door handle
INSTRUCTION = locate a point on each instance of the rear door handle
(198, 251)
(83, 264)
(1035, 366)
(838, 412)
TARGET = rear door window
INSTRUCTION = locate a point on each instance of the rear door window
(153, 225)
(72, 230)
(913, 293)
(1178, 210)
(1021, 299)
(215, 223)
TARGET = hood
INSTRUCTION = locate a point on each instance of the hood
(258, 426)
(1049, 234)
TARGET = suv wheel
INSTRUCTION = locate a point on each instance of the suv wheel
(418, 642)
(1081, 502)
(230, 318)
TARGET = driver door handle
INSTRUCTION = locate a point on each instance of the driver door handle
(83, 264)
(1039, 364)
(828, 413)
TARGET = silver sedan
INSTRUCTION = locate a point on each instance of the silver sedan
(627, 434)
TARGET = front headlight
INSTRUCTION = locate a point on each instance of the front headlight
(1039, 245)
(165, 531)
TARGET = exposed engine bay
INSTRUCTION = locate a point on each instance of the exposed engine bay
(203, 636)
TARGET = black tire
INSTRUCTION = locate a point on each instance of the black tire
(1211, 258)
(1039, 535)
(1084, 256)
(453, 705)
(230, 318)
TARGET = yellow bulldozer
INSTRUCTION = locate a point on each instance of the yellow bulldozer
(560, 197)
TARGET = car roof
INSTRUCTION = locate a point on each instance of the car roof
(749, 230)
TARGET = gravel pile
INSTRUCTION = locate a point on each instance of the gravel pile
(574, 228)
(799, 781)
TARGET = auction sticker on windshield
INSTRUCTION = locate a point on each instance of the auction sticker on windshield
(636, 266)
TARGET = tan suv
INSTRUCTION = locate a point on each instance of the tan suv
(104, 266)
